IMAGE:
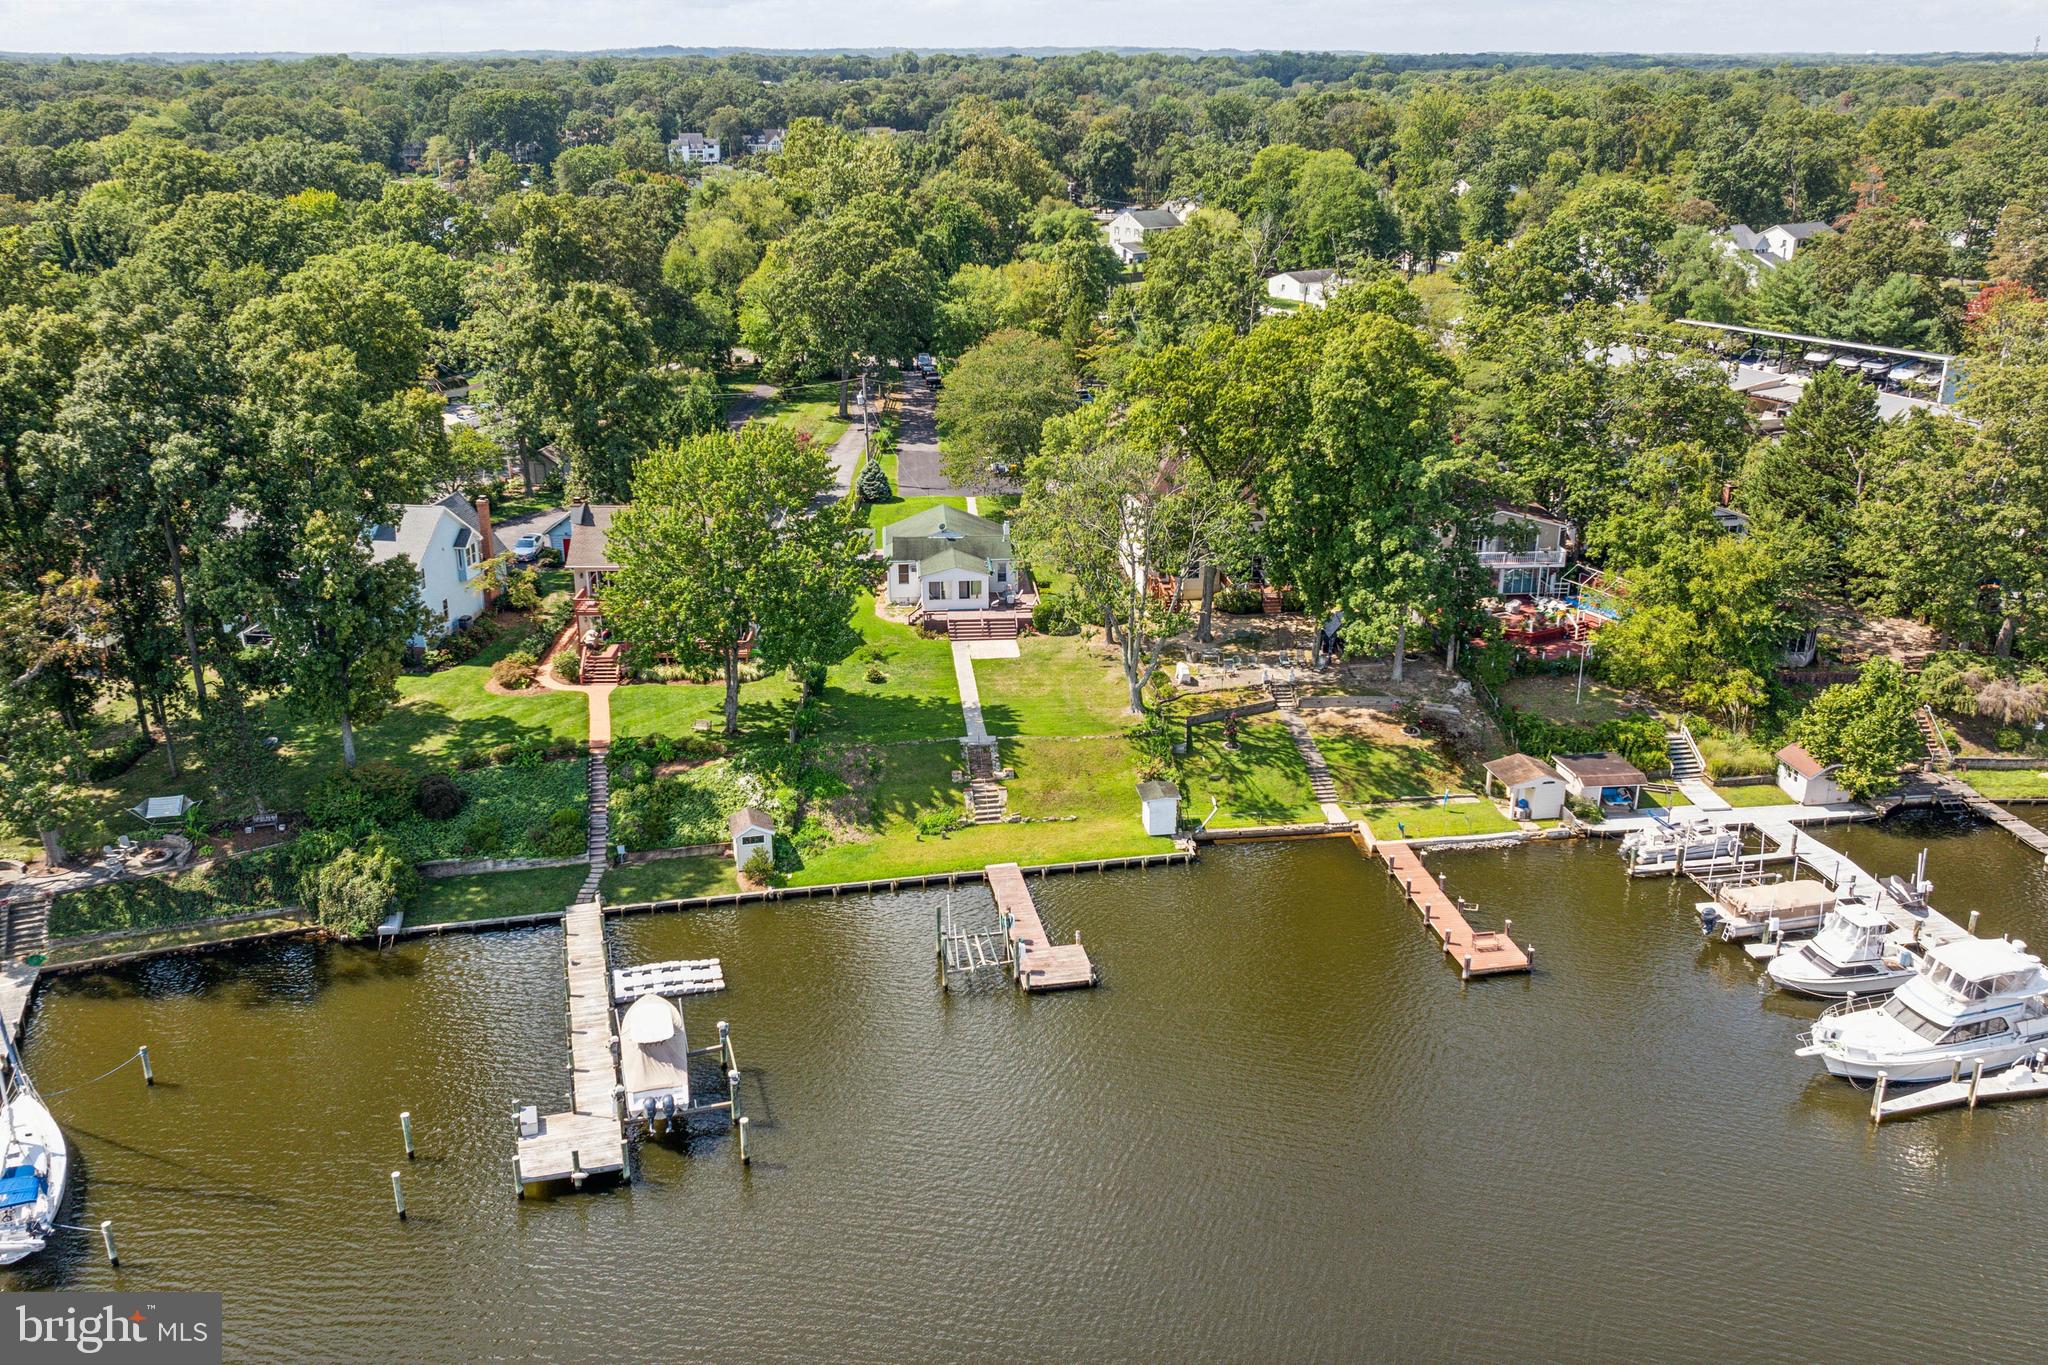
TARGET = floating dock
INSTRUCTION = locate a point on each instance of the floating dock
(694, 977)
(1476, 952)
(2026, 1080)
(589, 1138)
(1041, 964)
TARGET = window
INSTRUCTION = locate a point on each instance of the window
(903, 573)
(970, 588)
(444, 609)
(1002, 573)
(935, 591)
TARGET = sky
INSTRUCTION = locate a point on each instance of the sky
(104, 26)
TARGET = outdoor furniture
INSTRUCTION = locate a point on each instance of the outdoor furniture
(162, 809)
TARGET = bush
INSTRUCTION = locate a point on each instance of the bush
(876, 673)
(359, 887)
(936, 822)
(1290, 600)
(522, 593)
(554, 612)
(513, 671)
(569, 665)
(438, 797)
(108, 764)
(761, 870)
(874, 484)
(1639, 739)
(1057, 613)
(484, 837)
(562, 835)
(1237, 599)
(1727, 756)
(373, 792)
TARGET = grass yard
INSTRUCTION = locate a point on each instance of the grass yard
(897, 686)
(669, 879)
(495, 895)
(1764, 794)
(1430, 820)
(1262, 782)
(809, 410)
(1555, 697)
(1058, 685)
(643, 709)
(2002, 784)
(1368, 772)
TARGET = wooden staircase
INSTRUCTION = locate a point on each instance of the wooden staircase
(984, 625)
(24, 927)
(1284, 693)
(1269, 601)
(1685, 759)
(1319, 780)
(602, 665)
(987, 802)
(1938, 752)
(598, 846)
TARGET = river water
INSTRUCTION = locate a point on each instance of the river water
(1280, 1129)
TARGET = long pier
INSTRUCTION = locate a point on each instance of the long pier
(1476, 952)
(1983, 806)
(1042, 965)
(589, 1137)
(1839, 872)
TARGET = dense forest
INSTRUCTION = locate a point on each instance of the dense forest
(226, 290)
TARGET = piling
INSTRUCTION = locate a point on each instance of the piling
(745, 1160)
(148, 1072)
(398, 1195)
(1973, 922)
(405, 1131)
(1976, 1075)
(576, 1168)
(732, 1090)
(107, 1236)
(1877, 1099)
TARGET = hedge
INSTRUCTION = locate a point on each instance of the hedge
(1639, 739)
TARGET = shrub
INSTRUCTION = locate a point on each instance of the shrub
(876, 674)
(562, 834)
(549, 557)
(523, 592)
(1057, 613)
(372, 792)
(484, 836)
(361, 885)
(569, 665)
(1238, 599)
(936, 822)
(1639, 739)
(1290, 600)
(513, 671)
(1727, 756)
(107, 764)
(874, 484)
(761, 870)
(554, 612)
(438, 797)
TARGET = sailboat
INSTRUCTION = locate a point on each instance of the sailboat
(34, 1161)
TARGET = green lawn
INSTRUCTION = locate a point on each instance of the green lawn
(1262, 782)
(1556, 697)
(1058, 685)
(1765, 794)
(2005, 783)
(674, 708)
(1429, 820)
(1367, 773)
(809, 409)
(495, 895)
(912, 694)
(669, 879)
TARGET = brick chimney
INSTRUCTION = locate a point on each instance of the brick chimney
(485, 547)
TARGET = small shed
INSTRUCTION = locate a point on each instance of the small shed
(1607, 778)
(753, 831)
(1807, 780)
(1159, 807)
(1532, 791)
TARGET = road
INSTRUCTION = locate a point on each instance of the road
(917, 446)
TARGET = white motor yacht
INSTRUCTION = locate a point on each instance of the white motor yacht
(1858, 951)
(1678, 845)
(34, 1163)
(1972, 1000)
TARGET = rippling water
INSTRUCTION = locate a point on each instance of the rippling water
(1281, 1128)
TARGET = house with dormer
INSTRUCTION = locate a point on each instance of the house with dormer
(447, 541)
(944, 559)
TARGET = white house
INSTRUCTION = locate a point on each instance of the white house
(1807, 780)
(1606, 779)
(945, 559)
(1525, 549)
(764, 143)
(1771, 248)
(1129, 229)
(1310, 287)
(693, 149)
(1532, 791)
(753, 831)
(446, 541)
(1159, 807)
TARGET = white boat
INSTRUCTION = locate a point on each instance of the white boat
(1679, 845)
(34, 1163)
(1858, 951)
(1972, 1000)
(1767, 910)
(654, 1059)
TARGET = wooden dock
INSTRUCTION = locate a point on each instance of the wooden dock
(1476, 952)
(2027, 1080)
(589, 1138)
(17, 986)
(1960, 792)
(1042, 965)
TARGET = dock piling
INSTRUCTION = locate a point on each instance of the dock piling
(1976, 1076)
(398, 1195)
(107, 1236)
(1877, 1099)
(405, 1131)
(745, 1160)
(732, 1084)
(148, 1072)
(1973, 922)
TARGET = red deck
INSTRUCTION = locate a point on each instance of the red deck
(1477, 952)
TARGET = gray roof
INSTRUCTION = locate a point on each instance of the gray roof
(1153, 220)
(1153, 791)
(1799, 232)
(957, 555)
(926, 551)
(415, 529)
(589, 526)
(1306, 276)
(747, 817)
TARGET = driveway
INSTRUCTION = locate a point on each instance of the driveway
(917, 446)
(505, 533)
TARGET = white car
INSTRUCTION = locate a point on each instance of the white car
(527, 548)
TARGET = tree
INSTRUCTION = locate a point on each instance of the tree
(1199, 275)
(1814, 476)
(997, 399)
(1105, 163)
(730, 532)
(43, 760)
(1111, 516)
(1866, 726)
(2021, 253)
(837, 289)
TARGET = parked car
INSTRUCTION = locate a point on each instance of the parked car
(527, 548)
(925, 362)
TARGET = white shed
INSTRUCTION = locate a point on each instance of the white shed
(753, 831)
(1159, 806)
(1807, 780)
(1533, 791)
